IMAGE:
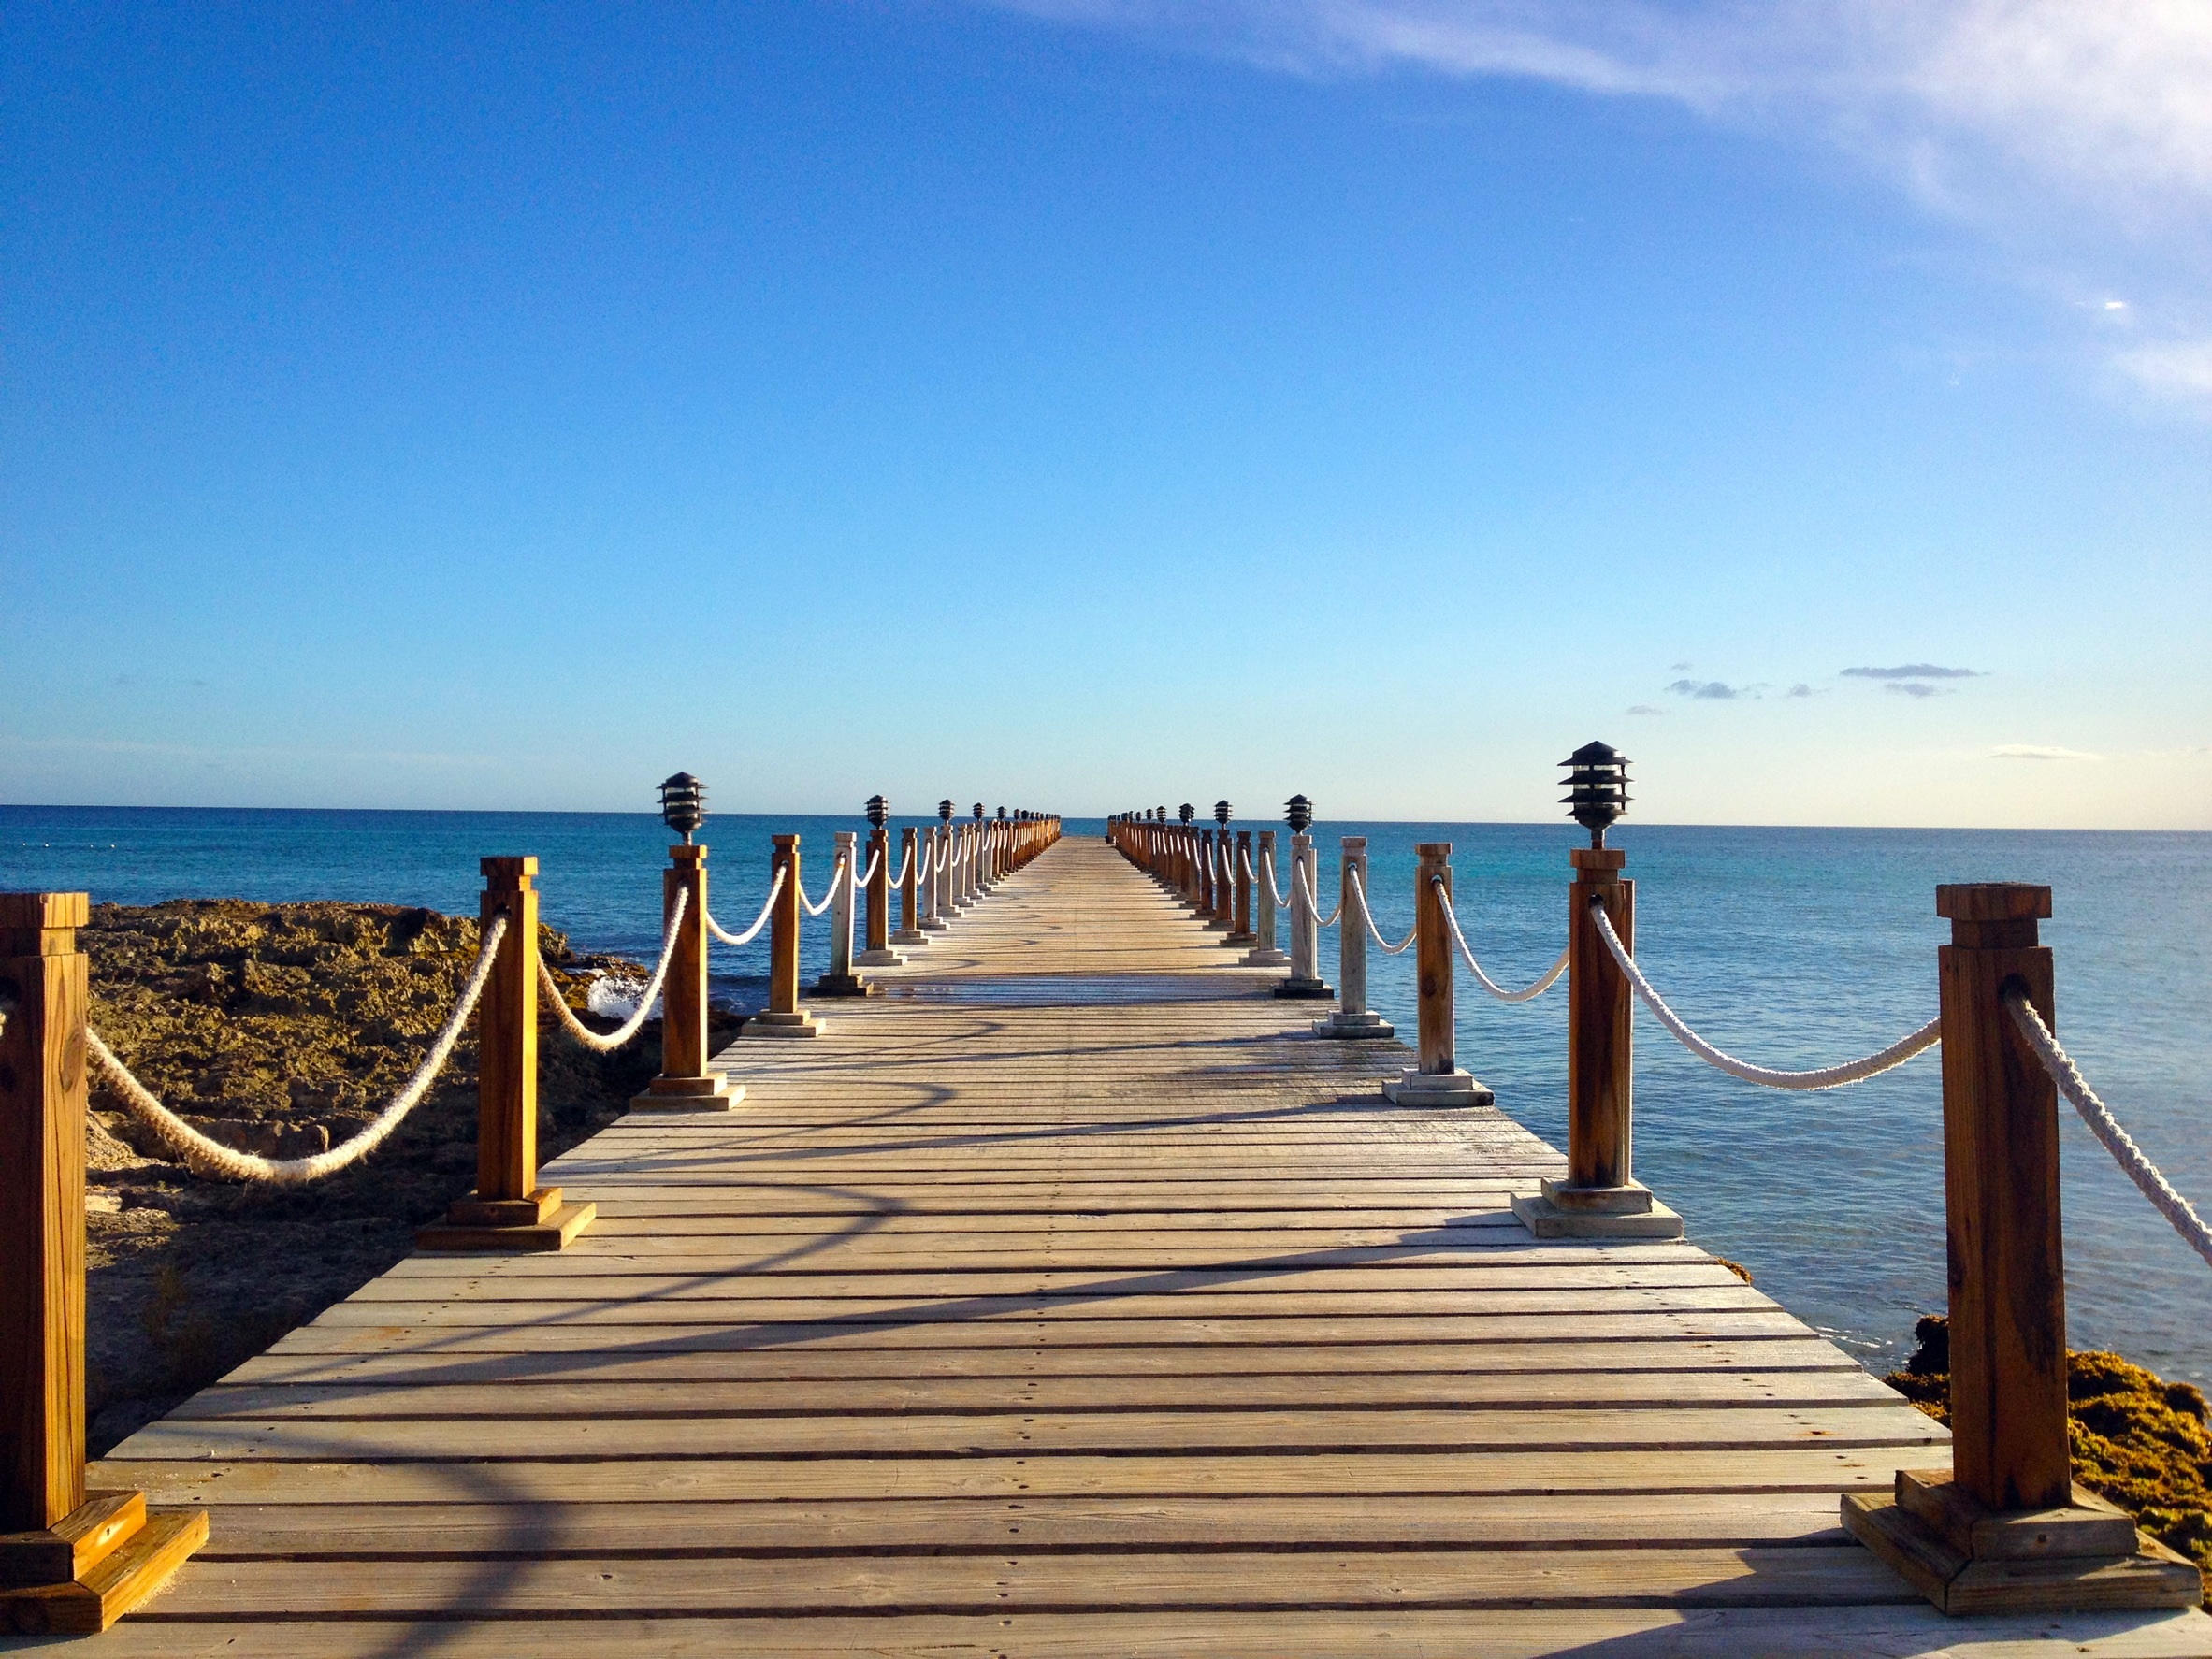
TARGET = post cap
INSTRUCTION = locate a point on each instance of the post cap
(683, 804)
(1297, 812)
(508, 868)
(878, 811)
(1992, 902)
(945, 810)
(1221, 814)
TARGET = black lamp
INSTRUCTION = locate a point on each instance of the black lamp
(1597, 788)
(1184, 812)
(945, 812)
(683, 805)
(879, 811)
(978, 812)
(1298, 812)
(1221, 814)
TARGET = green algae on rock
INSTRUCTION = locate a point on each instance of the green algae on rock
(2137, 1440)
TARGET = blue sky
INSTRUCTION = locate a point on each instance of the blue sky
(1088, 403)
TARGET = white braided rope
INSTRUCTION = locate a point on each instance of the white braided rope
(607, 1042)
(905, 863)
(1528, 993)
(867, 876)
(1282, 899)
(1299, 883)
(828, 893)
(1825, 1077)
(1360, 887)
(213, 1157)
(767, 909)
(2105, 1126)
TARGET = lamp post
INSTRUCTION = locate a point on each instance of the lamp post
(1600, 1197)
(685, 1084)
(1305, 981)
(946, 908)
(879, 953)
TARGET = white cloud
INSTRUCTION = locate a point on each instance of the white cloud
(2181, 371)
(2039, 752)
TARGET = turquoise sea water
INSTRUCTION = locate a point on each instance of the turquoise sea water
(1793, 948)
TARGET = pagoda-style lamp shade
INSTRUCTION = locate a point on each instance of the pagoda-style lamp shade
(945, 811)
(1001, 815)
(683, 805)
(1597, 788)
(1163, 816)
(978, 812)
(1184, 811)
(879, 811)
(1297, 812)
(1221, 814)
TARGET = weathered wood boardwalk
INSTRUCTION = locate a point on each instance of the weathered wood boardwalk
(1068, 1299)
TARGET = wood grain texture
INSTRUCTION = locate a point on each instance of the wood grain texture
(1069, 1298)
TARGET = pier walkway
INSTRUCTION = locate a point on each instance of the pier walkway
(1065, 1299)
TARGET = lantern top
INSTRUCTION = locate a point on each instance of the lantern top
(1597, 788)
(1221, 814)
(945, 811)
(1184, 811)
(878, 811)
(683, 805)
(1298, 813)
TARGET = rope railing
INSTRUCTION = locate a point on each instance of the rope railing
(776, 890)
(607, 1042)
(211, 1157)
(1282, 899)
(829, 894)
(1528, 993)
(2130, 1158)
(1299, 883)
(1368, 917)
(1833, 1076)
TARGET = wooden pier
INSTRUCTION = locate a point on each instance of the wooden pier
(1068, 1297)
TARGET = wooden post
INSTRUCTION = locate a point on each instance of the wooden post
(1240, 932)
(1437, 1079)
(71, 1561)
(840, 981)
(508, 1210)
(911, 890)
(1305, 981)
(1205, 843)
(783, 1016)
(686, 1083)
(879, 953)
(1600, 1197)
(933, 881)
(1352, 1018)
(2005, 1529)
(1264, 953)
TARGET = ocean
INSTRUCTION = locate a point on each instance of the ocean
(1791, 947)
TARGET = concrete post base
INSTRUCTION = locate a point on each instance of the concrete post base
(1265, 958)
(1310, 990)
(910, 936)
(801, 1024)
(841, 985)
(1367, 1023)
(934, 924)
(1234, 940)
(1438, 1088)
(689, 1094)
(882, 958)
(1627, 1211)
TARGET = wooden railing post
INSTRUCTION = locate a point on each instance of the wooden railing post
(1202, 840)
(1352, 1018)
(879, 953)
(1264, 953)
(1437, 1080)
(508, 1210)
(1304, 979)
(912, 890)
(2005, 1529)
(1600, 1197)
(1240, 930)
(72, 1562)
(840, 980)
(686, 1083)
(783, 1016)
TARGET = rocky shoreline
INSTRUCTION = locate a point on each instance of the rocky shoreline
(280, 1029)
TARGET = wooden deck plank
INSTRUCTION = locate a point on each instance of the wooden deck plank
(1067, 1298)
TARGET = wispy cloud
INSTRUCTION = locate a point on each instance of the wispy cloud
(2039, 752)
(1913, 670)
(1644, 708)
(1711, 690)
(1800, 689)
(2181, 371)
(2095, 100)
(1916, 688)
